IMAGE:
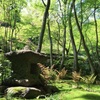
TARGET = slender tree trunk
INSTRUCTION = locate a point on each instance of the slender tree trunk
(5, 33)
(5, 40)
(96, 30)
(64, 46)
(75, 64)
(81, 25)
(58, 37)
(51, 46)
(11, 41)
(83, 42)
(43, 26)
(12, 33)
(64, 21)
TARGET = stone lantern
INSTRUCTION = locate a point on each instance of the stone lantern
(25, 70)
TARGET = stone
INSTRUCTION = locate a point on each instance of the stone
(23, 92)
(26, 80)
(25, 70)
(50, 89)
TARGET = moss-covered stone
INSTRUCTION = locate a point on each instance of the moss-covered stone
(24, 67)
(23, 92)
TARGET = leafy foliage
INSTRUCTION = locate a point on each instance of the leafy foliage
(62, 73)
(47, 73)
(76, 76)
(5, 68)
(51, 73)
(89, 79)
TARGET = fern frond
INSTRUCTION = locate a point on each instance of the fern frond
(89, 79)
(76, 76)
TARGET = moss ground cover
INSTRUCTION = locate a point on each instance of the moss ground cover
(68, 91)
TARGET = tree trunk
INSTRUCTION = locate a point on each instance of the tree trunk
(64, 20)
(84, 43)
(75, 64)
(51, 46)
(43, 26)
(64, 46)
(58, 38)
(97, 40)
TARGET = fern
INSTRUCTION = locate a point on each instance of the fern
(51, 73)
(76, 76)
(47, 73)
(89, 79)
(62, 73)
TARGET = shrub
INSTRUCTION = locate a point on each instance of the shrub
(5, 68)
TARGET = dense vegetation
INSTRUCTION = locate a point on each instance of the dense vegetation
(66, 30)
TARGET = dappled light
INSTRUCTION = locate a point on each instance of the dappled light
(50, 49)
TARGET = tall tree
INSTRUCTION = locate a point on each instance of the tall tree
(75, 64)
(43, 26)
(11, 16)
(96, 29)
(64, 23)
(83, 42)
(51, 45)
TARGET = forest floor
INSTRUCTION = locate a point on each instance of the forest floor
(69, 91)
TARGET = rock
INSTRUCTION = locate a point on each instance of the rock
(51, 89)
(32, 93)
(23, 92)
(25, 69)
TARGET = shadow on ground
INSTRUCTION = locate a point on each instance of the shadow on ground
(90, 97)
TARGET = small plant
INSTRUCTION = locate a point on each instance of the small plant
(89, 79)
(47, 73)
(62, 73)
(76, 77)
(5, 68)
